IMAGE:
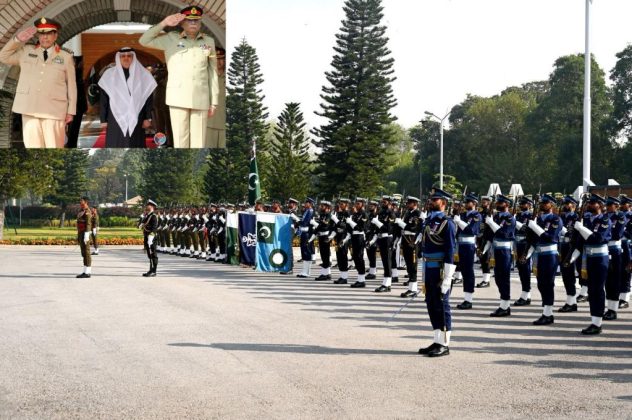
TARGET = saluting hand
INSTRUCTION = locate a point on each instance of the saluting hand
(26, 34)
(173, 20)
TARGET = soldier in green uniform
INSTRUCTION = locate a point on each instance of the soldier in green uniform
(193, 83)
(95, 230)
(84, 224)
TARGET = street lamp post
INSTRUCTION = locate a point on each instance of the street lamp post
(441, 120)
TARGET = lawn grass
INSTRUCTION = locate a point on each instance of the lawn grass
(69, 233)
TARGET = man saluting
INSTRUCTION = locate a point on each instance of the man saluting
(46, 94)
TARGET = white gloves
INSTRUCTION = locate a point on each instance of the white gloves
(221, 219)
(495, 226)
(583, 230)
(294, 217)
(460, 223)
(351, 223)
(220, 230)
(205, 217)
(314, 223)
(86, 237)
(448, 272)
(530, 252)
(150, 239)
(332, 235)
(372, 241)
(400, 223)
(311, 238)
(423, 215)
(94, 231)
(564, 231)
(346, 239)
(519, 225)
(488, 245)
(377, 223)
(419, 237)
(335, 218)
(575, 255)
(535, 228)
(304, 229)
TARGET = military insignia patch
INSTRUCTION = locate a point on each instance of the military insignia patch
(58, 60)
(33, 55)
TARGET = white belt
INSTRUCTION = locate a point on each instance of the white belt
(323, 234)
(596, 251)
(566, 240)
(355, 232)
(503, 244)
(466, 240)
(304, 229)
(407, 232)
(614, 244)
(542, 249)
(384, 235)
(521, 238)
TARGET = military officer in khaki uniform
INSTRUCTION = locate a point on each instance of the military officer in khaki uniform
(84, 224)
(46, 94)
(192, 86)
(216, 133)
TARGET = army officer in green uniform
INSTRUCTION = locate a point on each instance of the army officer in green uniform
(84, 224)
(192, 85)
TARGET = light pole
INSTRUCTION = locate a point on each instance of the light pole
(587, 104)
(441, 120)
(125, 189)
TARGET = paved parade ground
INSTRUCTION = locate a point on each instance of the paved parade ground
(217, 341)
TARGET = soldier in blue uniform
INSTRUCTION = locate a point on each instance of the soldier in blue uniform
(342, 236)
(547, 228)
(484, 240)
(292, 210)
(305, 227)
(503, 226)
(438, 243)
(626, 245)
(409, 224)
(357, 223)
(522, 248)
(371, 239)
(568, 218)
(384, 224)
(469, 225)
(323, 229)
(615, 249)
(594, 234)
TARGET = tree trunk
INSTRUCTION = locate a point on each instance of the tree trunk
(2, 221)
(62, 219)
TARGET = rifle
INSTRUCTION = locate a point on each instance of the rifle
(583, 201)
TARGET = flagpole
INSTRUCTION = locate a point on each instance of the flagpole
(587, 104)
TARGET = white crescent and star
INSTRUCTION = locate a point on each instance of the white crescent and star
(265, 232)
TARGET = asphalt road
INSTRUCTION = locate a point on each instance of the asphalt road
(204, 340)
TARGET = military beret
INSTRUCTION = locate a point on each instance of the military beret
(45, 25)
(192, 13)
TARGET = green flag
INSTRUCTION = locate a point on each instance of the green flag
(254, 189)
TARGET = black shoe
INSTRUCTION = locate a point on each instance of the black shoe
(370, 277)
(439, 351)
(358, 284)
(302, 276)
(301, 260)
(408, 294)
(500, 312)
(610, 315)
(83, 276)
(582, 298)
(94, 253)
(483, 284)
(544, 320)
(457, 281)
(334, 266)
(623, 304)
(522, 302)
(382, 289)
(568, 308)
(406, 283)
(395, 280)
(591, 330)
(428, 349)
(340, 281)
(285, 272)
(464, 305)
(147, 274)
(323, 278)
(401, 268)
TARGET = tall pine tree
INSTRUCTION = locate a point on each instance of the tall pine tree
(169, 177)
(217, 182)
(357, 105)
(245, 119)
(70, 180)
(289, 168)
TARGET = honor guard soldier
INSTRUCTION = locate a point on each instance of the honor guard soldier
(485, 239)
(221, 234)
(307, 246)
(84, 222)
(203, 234)
(626, 245)
(371, 239)
(594, 234)
(547, 228)
(342, 237)
(292, 210)
(522, 248)
(615, 249)
(469, 225)
(396, 242)
(323, 229)
(384, 224)
(46, 94)
(357, 222)
(503, 226)
(193, 84)
(150, 225)
(438, 243)
(409, 224)
(95, 229)
(568, 217)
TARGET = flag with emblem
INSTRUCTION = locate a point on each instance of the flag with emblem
(232, 238)
(254, 189)
(247, 225)
(274, 242)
